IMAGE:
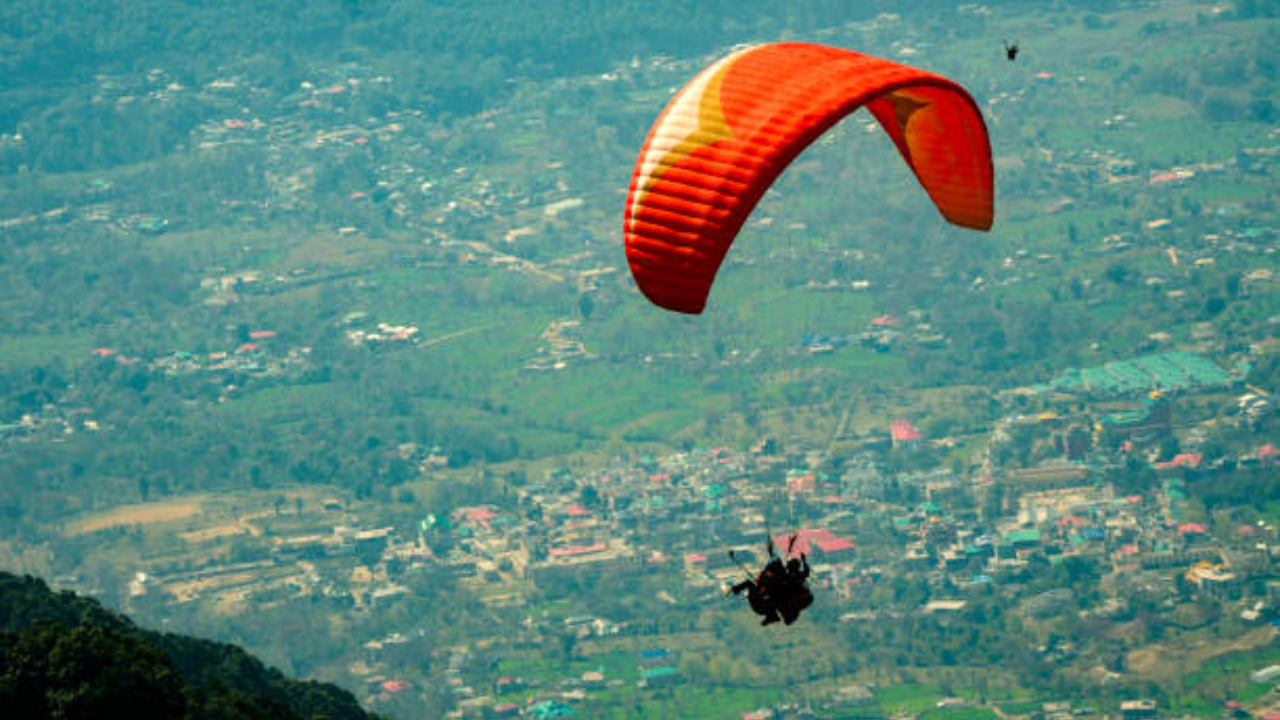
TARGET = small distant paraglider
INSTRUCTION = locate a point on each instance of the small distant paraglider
(1011, 50)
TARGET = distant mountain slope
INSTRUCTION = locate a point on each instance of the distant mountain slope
(66, 656)
(445, 47)
(63, 37)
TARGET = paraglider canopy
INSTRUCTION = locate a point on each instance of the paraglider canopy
(727, 135)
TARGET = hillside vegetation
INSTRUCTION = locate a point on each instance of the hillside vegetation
(64, 656)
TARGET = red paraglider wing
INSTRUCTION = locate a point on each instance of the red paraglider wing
(727, 135)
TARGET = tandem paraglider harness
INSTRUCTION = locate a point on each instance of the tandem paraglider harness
(777, 592)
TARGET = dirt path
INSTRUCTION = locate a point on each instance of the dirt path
(446, 338)
(528, 266)
(837, 433)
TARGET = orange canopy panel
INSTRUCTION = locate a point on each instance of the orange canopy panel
(727, 135)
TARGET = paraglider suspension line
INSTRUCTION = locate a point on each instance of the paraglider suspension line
(744, 569)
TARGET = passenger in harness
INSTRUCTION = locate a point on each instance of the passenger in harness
(778, 592)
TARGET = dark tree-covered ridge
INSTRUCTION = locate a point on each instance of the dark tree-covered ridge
(65, 656)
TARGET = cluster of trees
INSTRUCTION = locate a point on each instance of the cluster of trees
(1232, 85)
(62, 656)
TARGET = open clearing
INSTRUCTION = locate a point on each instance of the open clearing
(141, 514)
(1153, 660)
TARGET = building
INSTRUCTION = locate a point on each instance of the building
(548, 709)
(1025, 539)
(903, 434)
(1138, 709)
(664, 676)
(917, 558)
(1146, 424)
(820, 545)
(1180, 464)
(800, 482)
(1265, 675)
(656, 657)
(1213, 580)
(573, 562)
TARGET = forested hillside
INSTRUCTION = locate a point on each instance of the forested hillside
(450, 57)
(64, 656)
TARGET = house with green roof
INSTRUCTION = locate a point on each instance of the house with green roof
(1023, 539)
(663, 676)
(548, 709)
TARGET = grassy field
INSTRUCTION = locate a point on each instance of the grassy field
(1223, 677)
(958, 713)
(29, 351)
(140, 514)
(908, 699)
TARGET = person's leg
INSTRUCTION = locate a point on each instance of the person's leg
(789, 610)
(770, 614)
